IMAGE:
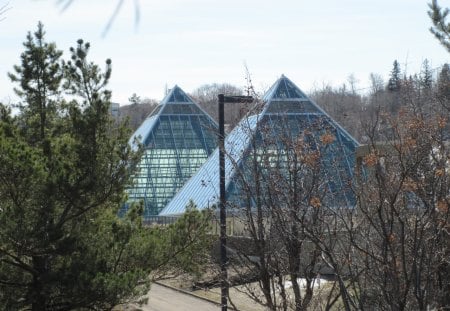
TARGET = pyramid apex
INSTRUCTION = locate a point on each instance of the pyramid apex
(284, 88)
(176, 95)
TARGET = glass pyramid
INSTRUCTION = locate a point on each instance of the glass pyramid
(288, 115)
(178, 137)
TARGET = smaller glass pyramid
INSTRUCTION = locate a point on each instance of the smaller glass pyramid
(178, 137)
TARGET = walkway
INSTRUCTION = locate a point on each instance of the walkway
(166, 299)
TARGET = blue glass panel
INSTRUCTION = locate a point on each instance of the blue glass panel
(178, 96)
(288, 121)
(272, 143)
(293, 91)
(181, 109)
(155, 111)
(286, 89)
(180, 141)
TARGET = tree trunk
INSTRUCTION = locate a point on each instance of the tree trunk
(38, 297)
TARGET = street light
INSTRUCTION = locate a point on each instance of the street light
(222, 204)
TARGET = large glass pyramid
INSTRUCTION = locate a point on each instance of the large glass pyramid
(288, 115)
(178, 137)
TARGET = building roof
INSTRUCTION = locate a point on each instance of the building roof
(177, 137)
(286, 108)
(176, 102)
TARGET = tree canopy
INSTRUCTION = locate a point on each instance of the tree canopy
(441, 25)
(65, 166)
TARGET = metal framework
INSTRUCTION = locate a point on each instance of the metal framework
(287, 111)
(177, 137)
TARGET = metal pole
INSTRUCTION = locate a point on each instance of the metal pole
(223, 216)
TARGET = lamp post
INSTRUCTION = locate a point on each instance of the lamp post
(222, 204)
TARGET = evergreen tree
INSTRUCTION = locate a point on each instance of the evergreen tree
(441, 26)
(443, 82)
(426, 76)
(39, 78)
(65, 165)
(394, 82)
(443, 87)
(134, 99)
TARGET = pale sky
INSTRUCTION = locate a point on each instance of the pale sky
(194, 42)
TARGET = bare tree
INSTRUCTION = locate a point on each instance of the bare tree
(400, 233)
(345, 106)
(376, 83)
(387, 251)
(137, 111)
(282, 197)
(206, 97)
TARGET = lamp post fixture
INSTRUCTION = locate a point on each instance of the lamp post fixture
(222, 204)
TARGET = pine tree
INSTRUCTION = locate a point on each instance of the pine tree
(426, 76)
(441, 27)
(134, 99)
(39, 77)
(443, 87)
(443, 82)
(64, 167)
(394, 82)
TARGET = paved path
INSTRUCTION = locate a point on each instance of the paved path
(166, 299)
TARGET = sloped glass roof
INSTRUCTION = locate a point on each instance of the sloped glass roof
(177, 137)
(203, 187)
(176, 96)
(284, 89)
(288, 116)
